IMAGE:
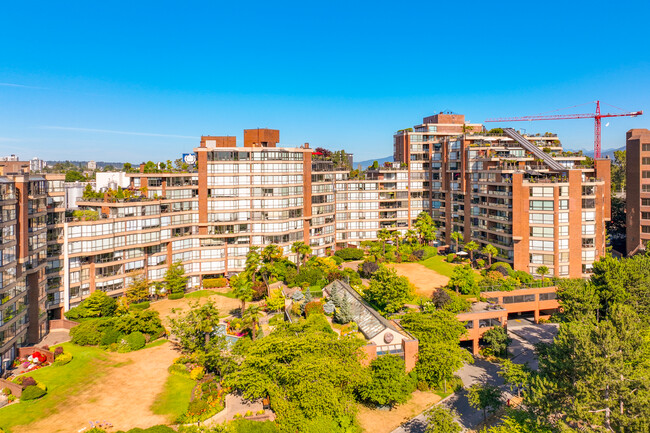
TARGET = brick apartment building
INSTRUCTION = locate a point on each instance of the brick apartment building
(522, 194)
(637, 185)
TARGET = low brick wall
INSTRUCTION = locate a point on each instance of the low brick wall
(62, 324)
(24, 352)
(15, 389)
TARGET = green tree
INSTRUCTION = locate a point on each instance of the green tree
(74, 176)
(252, 317)
(388, 291)
(618, 171)
(490, 251)
(484, 397)
(440, 355)
(275, 302)
(578, 300)
(139, 288)
(98, 304)
(383, 236)
(411, 237)
(515, 375)
(127, 167)
(308, 372)
(253, 262)
(463, 280)
(426, 228)
(389, 384)
(242, 288)
(542, 271)
(457, 237)
(302, 250)
(471, 246)
(396, 235)
(195, 328)
(498, 340)
(175, 279)
(440, 419)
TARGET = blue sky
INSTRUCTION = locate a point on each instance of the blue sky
(335, 74)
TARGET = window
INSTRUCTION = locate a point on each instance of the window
(563, 244)
(645, 202)
(563, 231)
(645, 215)
(564, 257)
(645, 188)
(563, 217)
(588, 216)
(552, 295)
(541, 191)
(645, 147)
(540, 218)
(564, 191)
(645, 229)
(541, 205)
(588, 256)
(541, 259)
(588, 229)
(544, 232)
(645, 174)
(540, 245)
(645, 160)
(564, 204)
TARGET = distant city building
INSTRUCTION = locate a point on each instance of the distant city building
(637, 186)
(9, 158)
(36, 164)
(92, 165)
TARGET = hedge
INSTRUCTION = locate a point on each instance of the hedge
(176, 296)
(63, 359)
(211, 283)
(140, 306)
(350, 254)
(135, 340)
(32, 393)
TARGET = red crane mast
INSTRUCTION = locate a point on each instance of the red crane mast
(597, 116)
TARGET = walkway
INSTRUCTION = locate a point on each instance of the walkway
(524, 336)
(54, 337)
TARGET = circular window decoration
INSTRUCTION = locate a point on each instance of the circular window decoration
(388, 337)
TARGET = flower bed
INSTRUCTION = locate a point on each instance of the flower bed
(207, 401)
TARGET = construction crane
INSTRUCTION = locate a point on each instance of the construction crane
(597, 116)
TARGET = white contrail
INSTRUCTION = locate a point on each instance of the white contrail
(19, 85)
(109, 131)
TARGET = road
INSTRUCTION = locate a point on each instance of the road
(524, 335)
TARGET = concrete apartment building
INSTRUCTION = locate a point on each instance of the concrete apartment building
(23, 213)
(637, 185)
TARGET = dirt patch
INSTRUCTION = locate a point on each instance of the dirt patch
(424, 279)
(385, 421)
(123, 396)
(181, 306)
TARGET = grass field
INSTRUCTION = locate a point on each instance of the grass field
(201, 294)
(439, 265)
(175, 398)
(88, 363)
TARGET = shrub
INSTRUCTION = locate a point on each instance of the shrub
(145, 321)
(451, 257)
(480, 263)
(98, 304)
(28, 381)
(211, 283)
(62, 359)
(135, 340)
(248, 413)
(89, 332)
(178, 369)
(350, 254)
(140, 306)
(58, 351)
(42, 386)
(109, 336)
(6, 391)
(337, 260)
(314, 307)
(259, 290)
(197, 373)
(174, 296)
(32, 393)
(418, 254)
(368, 269)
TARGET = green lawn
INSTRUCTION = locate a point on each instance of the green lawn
(88, 364)
(175, 397)
(438, 264)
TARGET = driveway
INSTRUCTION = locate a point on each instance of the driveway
(524, 336)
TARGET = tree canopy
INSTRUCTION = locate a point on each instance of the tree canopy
(388, 291)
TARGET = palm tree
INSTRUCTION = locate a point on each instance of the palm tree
(426, 227)
(302, 250)
(489, 250)
(383, 236)
(271, 253)
(471, 247)
(253, 262)
(252, 317)
(411, 236)
(396, 235)
(457, 237)
(242, 289)
(542, 270)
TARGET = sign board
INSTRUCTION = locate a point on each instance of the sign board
(189, 158)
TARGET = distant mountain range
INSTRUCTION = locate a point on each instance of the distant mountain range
(368, 163)
(604, 152)
(100, 164)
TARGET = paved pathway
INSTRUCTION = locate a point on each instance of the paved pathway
(54, 337)
(524, 336)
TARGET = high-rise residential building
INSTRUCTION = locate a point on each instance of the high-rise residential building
(637, 189)
(23, 315)
(91, 165)
(536, 203)
(523, 194)
(36, 164)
